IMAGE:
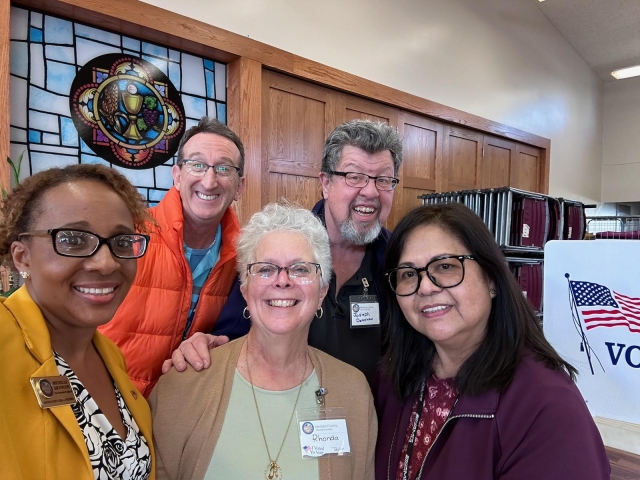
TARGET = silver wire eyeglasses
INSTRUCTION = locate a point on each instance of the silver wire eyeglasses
(445, 271)
(361, 180)
(302, 273)
(81, 243)
(200, 169)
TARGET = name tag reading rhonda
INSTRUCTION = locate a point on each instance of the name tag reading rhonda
(53, 391)
(365, 311)
(324, 437)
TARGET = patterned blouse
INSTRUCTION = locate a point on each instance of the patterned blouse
(439, 397)
(111, 458)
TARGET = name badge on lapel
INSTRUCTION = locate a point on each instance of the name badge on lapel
(53, 391)
(364, 309)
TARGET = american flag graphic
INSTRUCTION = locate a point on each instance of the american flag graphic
(600, 306)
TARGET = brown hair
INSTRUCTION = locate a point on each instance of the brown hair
(19, 207)
(211, 125)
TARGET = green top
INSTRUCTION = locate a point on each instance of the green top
(240, 451)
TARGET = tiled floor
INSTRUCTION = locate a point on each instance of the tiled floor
(624, 466)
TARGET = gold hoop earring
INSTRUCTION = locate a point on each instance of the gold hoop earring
(321, 312)
(246, 314)
(25, 275)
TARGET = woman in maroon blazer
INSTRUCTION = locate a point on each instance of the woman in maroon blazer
(473, 390)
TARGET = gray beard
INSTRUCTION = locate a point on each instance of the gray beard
(352, 235)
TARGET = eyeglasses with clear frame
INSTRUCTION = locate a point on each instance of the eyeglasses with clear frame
(200, 169)
(301, 273)
(82, 243)
(445, 271)
(361, 180)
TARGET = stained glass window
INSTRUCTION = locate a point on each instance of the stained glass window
(47, 52)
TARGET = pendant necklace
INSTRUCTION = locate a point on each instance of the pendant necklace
(273, 470)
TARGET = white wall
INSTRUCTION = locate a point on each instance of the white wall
(499, 59)
(621, 145)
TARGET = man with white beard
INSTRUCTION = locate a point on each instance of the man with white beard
(360, 164)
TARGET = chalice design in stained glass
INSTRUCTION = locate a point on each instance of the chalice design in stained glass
(127, 111)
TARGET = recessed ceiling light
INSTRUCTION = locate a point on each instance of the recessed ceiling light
(541, 0)
(626, 72)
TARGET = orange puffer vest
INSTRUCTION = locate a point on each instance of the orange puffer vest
(149, 324)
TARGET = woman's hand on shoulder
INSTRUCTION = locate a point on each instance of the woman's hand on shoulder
(194, 351)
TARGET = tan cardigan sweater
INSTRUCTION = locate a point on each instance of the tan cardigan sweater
(189, 408)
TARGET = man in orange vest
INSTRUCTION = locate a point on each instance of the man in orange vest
(186, 275)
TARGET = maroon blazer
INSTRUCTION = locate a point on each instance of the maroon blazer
(539, 428)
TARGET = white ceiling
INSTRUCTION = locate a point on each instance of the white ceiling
(605, 33)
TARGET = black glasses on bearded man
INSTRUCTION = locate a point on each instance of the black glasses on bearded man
(302, 273)
(200, 169)
(445, 271)
(81, 243)
(361, 180)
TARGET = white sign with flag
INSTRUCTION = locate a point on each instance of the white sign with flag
(592, 318)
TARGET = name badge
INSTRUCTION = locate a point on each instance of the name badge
(53, 391)
(323, 432)
(365, 311)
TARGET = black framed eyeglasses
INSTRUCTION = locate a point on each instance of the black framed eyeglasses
(81, 243)
(200, 169)
(445, 271)
(361, 180)
(302, 273)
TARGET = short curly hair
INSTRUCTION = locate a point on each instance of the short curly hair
(19, 207)
(284, 217)
(372, 137)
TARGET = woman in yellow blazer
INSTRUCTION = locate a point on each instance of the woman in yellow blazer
(67, 407)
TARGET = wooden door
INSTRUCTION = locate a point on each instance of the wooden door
(498, 155)
(525, 168)
(463, 159)
(422, 168)
(297, 117)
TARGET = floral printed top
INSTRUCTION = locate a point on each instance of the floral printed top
(439, 397)
(110, 456)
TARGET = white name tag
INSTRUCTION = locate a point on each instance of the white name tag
(324, 437)
(365, 311)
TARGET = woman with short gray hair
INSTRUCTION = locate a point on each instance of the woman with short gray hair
(270, 406)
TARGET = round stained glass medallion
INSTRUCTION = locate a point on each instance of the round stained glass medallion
(127, 111)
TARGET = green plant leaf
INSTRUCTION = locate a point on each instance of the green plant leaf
(15, 169)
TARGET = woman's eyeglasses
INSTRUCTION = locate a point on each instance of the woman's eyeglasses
(81, 243)
(445, 271)
(302, 273)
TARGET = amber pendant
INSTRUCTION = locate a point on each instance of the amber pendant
(273, 471)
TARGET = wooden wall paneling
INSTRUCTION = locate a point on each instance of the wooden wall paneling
(423, 167)
(463, 159)
(498, 154)
(5, 98)
(545, 166)
(360, 108)
(525, 168)
(347, 82)
(296, 117)
(245, 119)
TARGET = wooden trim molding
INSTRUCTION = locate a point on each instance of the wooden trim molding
(5, 97)
(245, 119)
(158, 25)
